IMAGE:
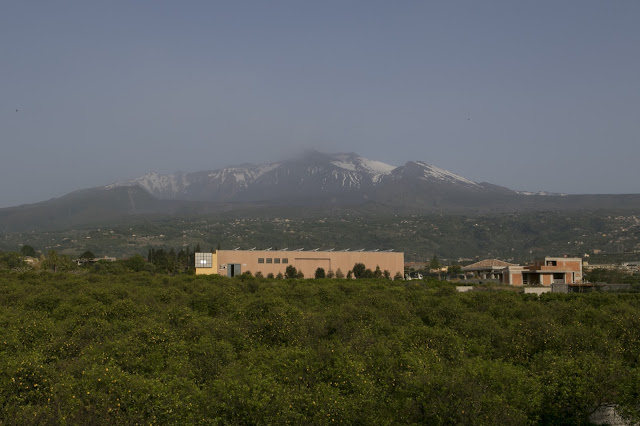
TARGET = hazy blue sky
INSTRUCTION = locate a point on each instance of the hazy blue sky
(535, 95)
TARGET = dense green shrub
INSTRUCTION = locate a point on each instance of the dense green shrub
(140, 348)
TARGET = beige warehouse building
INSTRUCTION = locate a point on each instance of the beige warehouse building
(235, 262)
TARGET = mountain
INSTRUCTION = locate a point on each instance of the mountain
(311, 181)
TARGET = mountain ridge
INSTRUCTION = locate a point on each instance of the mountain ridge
(315, 180)
(313, 172)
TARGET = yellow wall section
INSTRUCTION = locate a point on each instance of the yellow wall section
(209, 271)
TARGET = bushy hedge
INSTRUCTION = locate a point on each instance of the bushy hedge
(141, 348)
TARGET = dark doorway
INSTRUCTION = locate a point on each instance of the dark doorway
(233, 269)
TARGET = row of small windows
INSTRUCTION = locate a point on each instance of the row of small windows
(273, 260)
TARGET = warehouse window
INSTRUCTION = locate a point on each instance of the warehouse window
(261, 260)
(204, 260)
(285, 260)
(269, 260)
(276, 260)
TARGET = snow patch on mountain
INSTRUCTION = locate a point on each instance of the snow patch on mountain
(544, 193)
(165, 185)
(376, 166)
(266, 168)
(375, 169)
(362, 164)
(154, 182)
(244, 176)
(444, 175)
(343, 165)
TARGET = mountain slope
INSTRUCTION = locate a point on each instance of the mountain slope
(84, 207)
(315, 181)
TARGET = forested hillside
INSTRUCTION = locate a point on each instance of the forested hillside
(515, 237)
(141, 348)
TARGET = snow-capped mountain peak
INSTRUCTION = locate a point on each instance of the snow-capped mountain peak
(312, 175)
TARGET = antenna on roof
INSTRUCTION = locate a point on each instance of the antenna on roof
(390, 250)
(332, 249)
(345, 249)
(237, 248)
(268, 249)
(300, 249)
(361, 250)
(376, 250)
(285, 249)
(316, 249)
(252, 249)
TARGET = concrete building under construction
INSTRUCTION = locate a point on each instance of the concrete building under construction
(235, 262)
(543, 272)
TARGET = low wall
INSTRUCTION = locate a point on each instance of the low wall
(536, 290)
(607, 414)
